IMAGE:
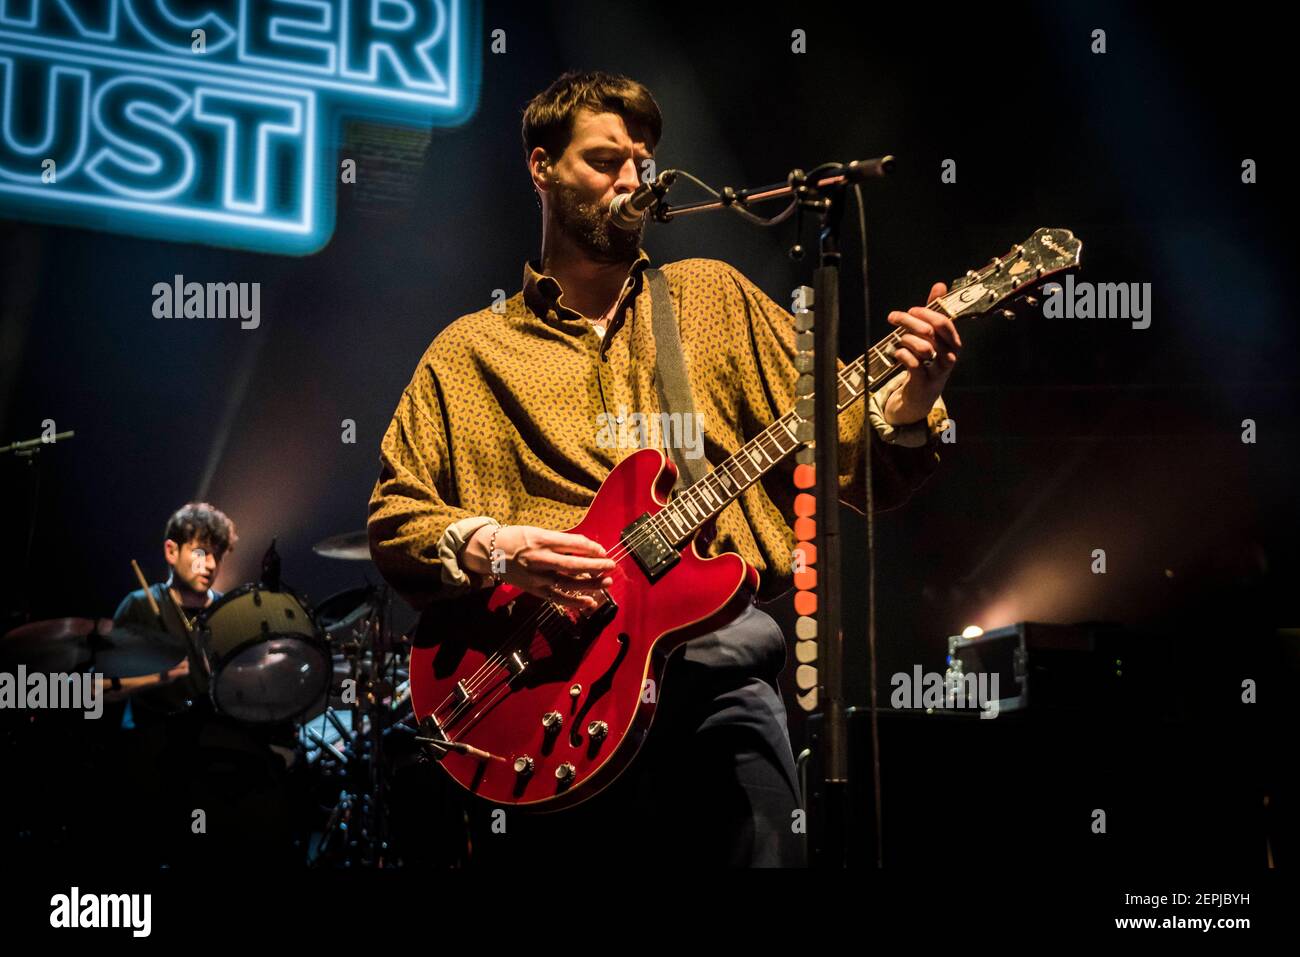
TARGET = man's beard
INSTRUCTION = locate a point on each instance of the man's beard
(591, 227)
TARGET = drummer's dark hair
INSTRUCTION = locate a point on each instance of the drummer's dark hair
(206, 523)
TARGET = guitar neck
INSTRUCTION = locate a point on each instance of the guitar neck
(1005, 282)
(693, 506)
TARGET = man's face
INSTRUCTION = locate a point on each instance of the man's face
(603, 159)
(194, 564)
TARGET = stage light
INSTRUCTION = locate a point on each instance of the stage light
(972, 631)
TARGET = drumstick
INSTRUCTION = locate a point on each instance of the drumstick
(180, 613)
(153, 605)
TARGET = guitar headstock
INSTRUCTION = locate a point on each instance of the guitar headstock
(1012, 281)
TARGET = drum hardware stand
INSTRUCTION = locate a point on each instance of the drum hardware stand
(360, 815)
(29, 450)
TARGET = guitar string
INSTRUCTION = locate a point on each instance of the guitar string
(494, 664)
(551, 612)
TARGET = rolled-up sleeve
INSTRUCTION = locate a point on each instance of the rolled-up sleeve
(416, 533)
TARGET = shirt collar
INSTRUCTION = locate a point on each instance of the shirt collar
(543, 295)
(171, 583)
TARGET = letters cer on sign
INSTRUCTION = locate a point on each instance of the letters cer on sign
(214, 121)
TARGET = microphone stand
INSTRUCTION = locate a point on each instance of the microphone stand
(30, 449)
(823, 195)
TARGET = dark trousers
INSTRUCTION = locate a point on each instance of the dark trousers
(714, 784)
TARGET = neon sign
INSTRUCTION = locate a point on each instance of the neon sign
(213, 120)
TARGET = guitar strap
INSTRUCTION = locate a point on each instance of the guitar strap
(671, 381)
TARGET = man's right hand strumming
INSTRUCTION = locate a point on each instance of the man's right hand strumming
(569, 570)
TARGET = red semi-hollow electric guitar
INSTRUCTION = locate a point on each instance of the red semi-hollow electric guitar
(527, 704)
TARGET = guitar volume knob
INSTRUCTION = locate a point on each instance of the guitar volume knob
(552, 721)
(524, 766)
(597, 730)
(565, 772)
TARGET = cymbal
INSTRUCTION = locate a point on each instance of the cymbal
(55, 628)
(351, 546)
(337, 614)
(73, 644)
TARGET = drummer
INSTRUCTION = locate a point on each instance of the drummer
(180, 754)
(198, 536)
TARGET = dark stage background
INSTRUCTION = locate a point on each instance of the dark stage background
(1073, 434)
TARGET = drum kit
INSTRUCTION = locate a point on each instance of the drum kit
(264, 656)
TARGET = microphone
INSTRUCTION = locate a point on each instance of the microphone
(628, 209)
(877, 168)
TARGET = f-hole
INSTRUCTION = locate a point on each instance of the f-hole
(598, 688)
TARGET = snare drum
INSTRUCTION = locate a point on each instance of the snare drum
(265, 659)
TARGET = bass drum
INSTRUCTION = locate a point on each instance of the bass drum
(265, 659)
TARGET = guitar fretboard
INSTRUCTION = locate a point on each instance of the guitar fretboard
(1025, 267)
(692, 507)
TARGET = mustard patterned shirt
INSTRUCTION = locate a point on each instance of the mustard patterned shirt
(513, 416)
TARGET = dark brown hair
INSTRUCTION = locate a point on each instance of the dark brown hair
(207, 523)
(548, 118)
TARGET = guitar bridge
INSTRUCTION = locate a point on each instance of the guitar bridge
(652, 551)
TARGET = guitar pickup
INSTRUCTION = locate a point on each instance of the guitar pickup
(516, 663)
(652, 551)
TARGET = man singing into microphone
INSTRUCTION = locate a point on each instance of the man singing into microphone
(495, 443)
